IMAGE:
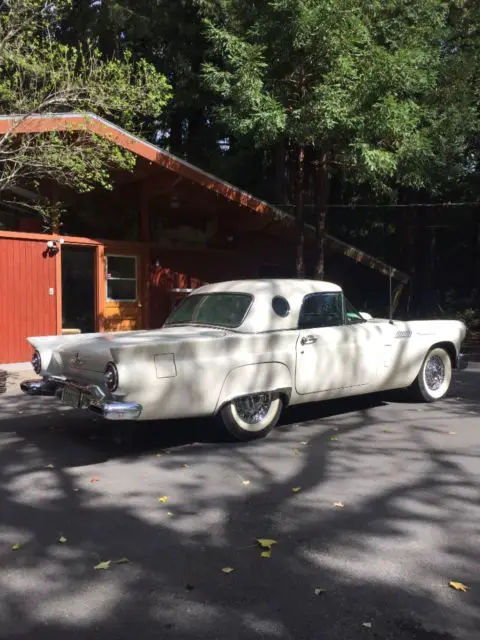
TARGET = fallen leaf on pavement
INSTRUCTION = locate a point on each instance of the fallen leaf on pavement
(296, 489)
(305, 442)
(163, 499)
(296, 452)
(185, 466)
(458, 586)
(49, 466)
(103, 565)
(16, 547)
(333, 438)
(94, 479)
(452, 433)
(339, 505)
(319, 592)
(62, 539)
(367, 625)
(387, 430)
(228, 569)
(246, 482)
(122, 561)
(169, 514)
(266, 544)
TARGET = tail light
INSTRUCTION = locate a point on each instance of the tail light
(111, 377)
(36, 362)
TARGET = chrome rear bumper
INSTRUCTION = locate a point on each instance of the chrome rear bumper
(90, 397)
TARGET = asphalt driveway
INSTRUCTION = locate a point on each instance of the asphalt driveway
(374, 505)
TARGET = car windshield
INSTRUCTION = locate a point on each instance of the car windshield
(217, 309)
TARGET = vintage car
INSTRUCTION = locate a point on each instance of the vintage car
(241, 351)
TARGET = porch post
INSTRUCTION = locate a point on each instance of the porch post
(145, 238)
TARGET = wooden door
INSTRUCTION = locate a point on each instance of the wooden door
(124, 294)
(28, 296)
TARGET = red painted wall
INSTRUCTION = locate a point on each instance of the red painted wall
(177, 269)
(26, 308)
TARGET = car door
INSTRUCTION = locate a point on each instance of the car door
(336, 348)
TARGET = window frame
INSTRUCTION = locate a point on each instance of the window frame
(316, 294)
(107, 279)
(354, 309)
(344, 300)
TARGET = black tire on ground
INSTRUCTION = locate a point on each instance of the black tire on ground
(251, 417)
(434, 378)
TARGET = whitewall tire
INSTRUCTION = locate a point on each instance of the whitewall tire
(435, 376)
(251, 417)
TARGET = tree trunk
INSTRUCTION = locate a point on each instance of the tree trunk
(411, 219)
(323, 184)
(299, 213)
(476, 266)
(176, 137)
(280, 172)
(430, 300)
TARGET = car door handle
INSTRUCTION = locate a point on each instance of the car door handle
(308, 340)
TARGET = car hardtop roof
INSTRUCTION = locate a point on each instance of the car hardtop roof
(271, 286)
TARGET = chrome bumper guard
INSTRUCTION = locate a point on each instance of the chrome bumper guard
(462, 361)
(90, 397)
(43, 387)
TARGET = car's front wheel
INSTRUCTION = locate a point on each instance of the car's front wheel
(435, 376)
(251, 417)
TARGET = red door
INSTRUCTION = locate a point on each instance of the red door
(27, 296)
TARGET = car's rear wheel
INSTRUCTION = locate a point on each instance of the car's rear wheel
(251, 417)
(434, 378)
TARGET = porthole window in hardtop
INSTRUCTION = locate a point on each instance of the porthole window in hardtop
(281, 306)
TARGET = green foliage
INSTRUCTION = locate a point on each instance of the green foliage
(39, 74)
(360, 79)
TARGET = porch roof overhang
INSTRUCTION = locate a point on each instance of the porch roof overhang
(44, 123)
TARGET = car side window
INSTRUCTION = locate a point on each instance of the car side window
(321, 310)
(351, 314)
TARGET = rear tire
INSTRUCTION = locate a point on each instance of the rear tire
(434, 378)
(251, 417)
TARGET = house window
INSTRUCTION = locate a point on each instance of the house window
(121, 278)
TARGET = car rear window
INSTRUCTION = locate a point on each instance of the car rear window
(217, 309)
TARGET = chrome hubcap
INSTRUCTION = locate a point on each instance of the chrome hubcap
(434, 373)
(253, 409)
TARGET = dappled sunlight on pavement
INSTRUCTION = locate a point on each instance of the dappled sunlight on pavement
(374, 500)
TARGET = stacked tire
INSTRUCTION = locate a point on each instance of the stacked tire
(3, 381)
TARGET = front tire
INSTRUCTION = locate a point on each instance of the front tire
(434, 378)
(251, 417)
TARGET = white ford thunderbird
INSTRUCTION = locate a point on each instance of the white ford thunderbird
(241, 351)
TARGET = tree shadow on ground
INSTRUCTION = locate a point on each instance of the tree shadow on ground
(409, 524)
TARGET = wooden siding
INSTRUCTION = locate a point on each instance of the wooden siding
(26, 306)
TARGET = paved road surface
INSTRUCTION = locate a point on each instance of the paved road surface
(408, 476)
